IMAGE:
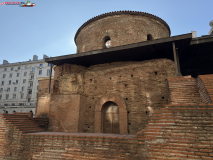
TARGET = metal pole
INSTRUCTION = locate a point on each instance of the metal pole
(176, 59)
(51, 66)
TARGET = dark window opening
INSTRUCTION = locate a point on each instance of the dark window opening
(129, 123)
(89, 106)
(149, 37)
(156, 73)
(107, 42)
(126, 98)
(128, 112)
(131, 75)
(162, 97)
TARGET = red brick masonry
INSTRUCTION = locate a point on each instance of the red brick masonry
(174, 132)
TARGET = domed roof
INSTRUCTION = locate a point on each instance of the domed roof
(119, 13)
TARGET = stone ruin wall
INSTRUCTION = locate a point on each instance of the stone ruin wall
(141, 85)
(122, 29)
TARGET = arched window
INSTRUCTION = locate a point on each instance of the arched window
(149, 37)
(107, 42)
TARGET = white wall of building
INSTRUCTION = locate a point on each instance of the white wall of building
(21, 72)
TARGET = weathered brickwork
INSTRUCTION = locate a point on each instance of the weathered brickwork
(208, 83)
(122, 29)
(43, 98)
(183, 90)
(43, 86)
(178, 132)
(204, 95)
(141, 85)
(67, 113)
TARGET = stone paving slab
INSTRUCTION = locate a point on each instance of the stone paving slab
(84, 134)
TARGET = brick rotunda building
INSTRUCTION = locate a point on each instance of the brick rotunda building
(130, 92)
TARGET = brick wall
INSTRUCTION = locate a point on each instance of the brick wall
(174, 132)
(122, 29)
(183, 90)
(43, 97)
(44, 85)
(208, 83)
(141, 85)
(42, 122)
(204, 95)
(65, 112)
(180, 132)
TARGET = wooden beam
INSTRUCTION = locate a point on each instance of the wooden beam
(178, 62)
(50, 76)
(176, 59)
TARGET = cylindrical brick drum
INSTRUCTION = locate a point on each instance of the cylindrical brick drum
(119, 28)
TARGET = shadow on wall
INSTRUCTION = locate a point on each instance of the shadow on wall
(42, 115)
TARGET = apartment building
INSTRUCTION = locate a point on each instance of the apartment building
(19, 84)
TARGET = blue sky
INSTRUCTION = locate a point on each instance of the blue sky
(50, 26)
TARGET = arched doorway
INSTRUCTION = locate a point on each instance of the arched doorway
(110, 118)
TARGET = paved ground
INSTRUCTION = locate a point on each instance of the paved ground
(85, 134)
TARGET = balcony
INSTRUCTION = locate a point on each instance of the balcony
(29, 95)
(30, 87)
(32, 72)
(31, 80)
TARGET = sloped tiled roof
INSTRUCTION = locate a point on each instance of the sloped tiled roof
(208, 82)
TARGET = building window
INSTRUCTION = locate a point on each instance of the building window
(11, 75)
(11, 68)
(41, 65)
(29, 99)
(7, 96)
(22, 95)
(18, 74)
(49, 64)
(22, 88)
(40, 71)
(1, 89)
(25, 73)
(33, 69)
(48, 72)
(30, 91)
(19, 67)
(24, 80)
(5, 69)
(2, 83)
(26, 67)
(0, 96)
(31, 84)
(8, 89)
(15, 89)
(17, 81)
(107, 42)
(9, 81)
(14, 96)
(4, 75)
(149, 37)
(32, 77)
